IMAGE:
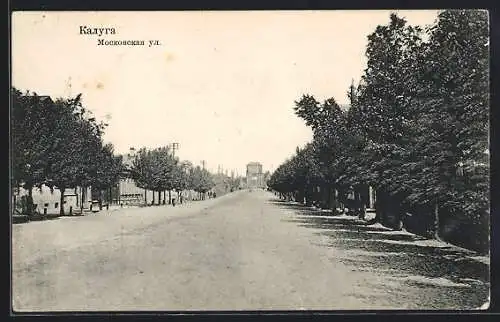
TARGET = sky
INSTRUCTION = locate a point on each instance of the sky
(221, 84)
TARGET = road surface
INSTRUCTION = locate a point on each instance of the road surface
(242, 251)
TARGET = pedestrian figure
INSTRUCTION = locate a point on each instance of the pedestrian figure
(173, 202)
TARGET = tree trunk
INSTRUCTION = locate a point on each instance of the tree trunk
(436, 222)
(329, 198)
(29, 204)
(100, 199)
(379, 207)
(81, 199)
(146, 197)
(61, 209)
(339, 200)
(399, 224)
(153, 201)
(336, 203)
(164, 196)
(398, 211)
(325, 197)
(169, 197)
(361, 204)
(307, 197)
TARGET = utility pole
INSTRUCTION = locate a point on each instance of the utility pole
(203, 163)
(68, 84)
(175, 146)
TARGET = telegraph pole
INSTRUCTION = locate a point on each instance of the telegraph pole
(203, 163)
(68, 84)
(175, 146)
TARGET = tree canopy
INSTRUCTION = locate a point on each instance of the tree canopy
(417, 125)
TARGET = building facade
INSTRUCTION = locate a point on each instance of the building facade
(128, 192)
(255, 176)
(47, 201)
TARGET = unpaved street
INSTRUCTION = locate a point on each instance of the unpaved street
(243, 251)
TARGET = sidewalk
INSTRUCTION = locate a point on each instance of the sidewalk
(36, 239)
(18, 219)
(416, 240)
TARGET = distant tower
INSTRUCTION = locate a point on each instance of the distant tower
(255, 177)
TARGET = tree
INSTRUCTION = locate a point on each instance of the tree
(72, 157)
(201, 181)
(156, 170)
(109, 170)
(380, 109)
(182, 177)
(417, 127)
(452, 118)
(140, 171)
(330, 147)
(31, 122)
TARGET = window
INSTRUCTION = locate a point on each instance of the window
(46, 205)
(56, 205)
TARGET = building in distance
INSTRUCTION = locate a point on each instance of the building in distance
(255, 176)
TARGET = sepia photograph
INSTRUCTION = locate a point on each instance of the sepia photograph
(166, 161)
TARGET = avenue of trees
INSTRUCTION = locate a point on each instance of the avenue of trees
(417, 129)
(159, 171)
(58, 144)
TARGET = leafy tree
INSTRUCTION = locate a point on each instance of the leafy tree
(417, 127)
(109, 169)
(141, 170)
(380, 111)
(329, 147)
(182, 177)
(452, 118)
(76, 143)
(31, 123)
(201, 180)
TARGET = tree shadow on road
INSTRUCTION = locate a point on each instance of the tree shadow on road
(382, 248)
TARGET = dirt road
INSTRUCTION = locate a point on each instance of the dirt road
(243, 251)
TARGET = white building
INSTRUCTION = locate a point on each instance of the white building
(48, 200)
